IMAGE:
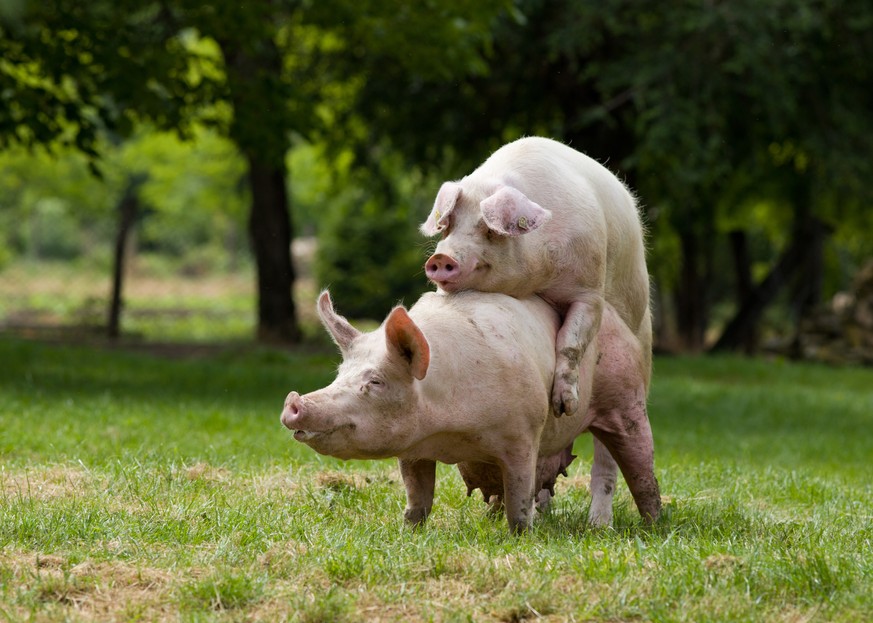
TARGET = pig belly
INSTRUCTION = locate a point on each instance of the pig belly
(451, 448)
(488, 478)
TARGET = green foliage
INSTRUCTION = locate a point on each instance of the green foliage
(168, 489)
(370, 252)
(53, 208)
(194, 192)
(371, 259)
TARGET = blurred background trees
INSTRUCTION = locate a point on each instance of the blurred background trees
(745, 128)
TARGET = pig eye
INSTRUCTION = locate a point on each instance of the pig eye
(375, 383)
(486, 232)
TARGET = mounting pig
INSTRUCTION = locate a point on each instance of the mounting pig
(538, 217)
(466, 379)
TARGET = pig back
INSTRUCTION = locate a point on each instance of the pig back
(594, 216)
(493, 345)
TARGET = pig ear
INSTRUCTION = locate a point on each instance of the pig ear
(509, 212)
(407, 340)
(339, 328)
(446, 200)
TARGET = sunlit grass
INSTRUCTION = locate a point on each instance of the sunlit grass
(137, 488)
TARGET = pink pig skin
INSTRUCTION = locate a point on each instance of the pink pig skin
(538, 217)
(466, 379)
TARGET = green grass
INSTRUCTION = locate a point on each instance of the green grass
(134, 488)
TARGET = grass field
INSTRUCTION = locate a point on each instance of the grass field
(134, 488)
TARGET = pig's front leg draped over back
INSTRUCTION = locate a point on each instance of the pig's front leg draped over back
(581, 324)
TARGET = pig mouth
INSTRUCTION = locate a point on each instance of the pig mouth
(458, 282)
(306, 436)
(448, 286)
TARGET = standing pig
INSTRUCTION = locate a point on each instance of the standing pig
(466, 379)
(541, 218)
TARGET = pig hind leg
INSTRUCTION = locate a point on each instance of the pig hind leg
(627, 435)
(604, 471)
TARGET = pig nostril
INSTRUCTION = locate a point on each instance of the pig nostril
(449, 268)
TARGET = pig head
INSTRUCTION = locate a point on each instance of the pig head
(368, 412)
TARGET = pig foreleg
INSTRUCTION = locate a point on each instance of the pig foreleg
(581, 324)
(519, 473)
(419, 477)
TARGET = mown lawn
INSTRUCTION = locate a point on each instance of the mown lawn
(135, 488)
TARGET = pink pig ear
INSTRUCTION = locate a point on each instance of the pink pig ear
(406, 339)
(446, 200)
(339, 328)
(509, 212)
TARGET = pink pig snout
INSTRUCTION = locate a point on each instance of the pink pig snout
(441, 268)
(291, 412)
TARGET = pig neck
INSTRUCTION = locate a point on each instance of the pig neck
(445, 411)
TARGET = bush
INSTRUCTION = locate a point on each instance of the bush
(53, 232)
(370, 259)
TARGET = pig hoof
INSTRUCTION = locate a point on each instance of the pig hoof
(600, 519)
(565, 398)
(543, 500)
(416, 517)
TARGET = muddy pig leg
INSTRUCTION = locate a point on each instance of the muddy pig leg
(626, 433)
(419, 478)
(604, 471)
(518, 489)
(581, 323)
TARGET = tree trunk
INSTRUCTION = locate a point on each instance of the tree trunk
(128, 208)
(271, 233)
(808, 294)
(749, 314)
(261, 127)
(748, 339)
(803, 257)
(691, 295)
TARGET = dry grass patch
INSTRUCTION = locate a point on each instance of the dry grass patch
(49, 483)
(280, 481)
(206, 472)
(101, 591)
(722, 562)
